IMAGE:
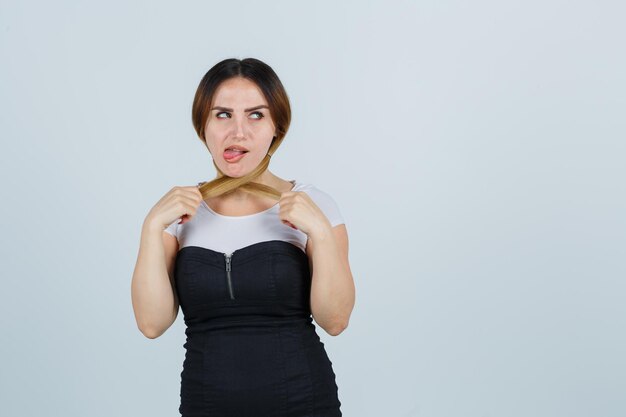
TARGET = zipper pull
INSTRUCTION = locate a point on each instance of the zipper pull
(228, 267)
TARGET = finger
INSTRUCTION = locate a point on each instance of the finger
(190, 200)
(197, 188)
(288, 223)
(190, 208)
(191, 192)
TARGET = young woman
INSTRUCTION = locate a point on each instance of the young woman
(250, 258)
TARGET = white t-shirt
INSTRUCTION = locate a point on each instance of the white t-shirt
(225, 234)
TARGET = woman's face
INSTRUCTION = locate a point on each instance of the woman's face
(239, 117)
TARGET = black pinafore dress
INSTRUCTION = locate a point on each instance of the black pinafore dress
(252, 349)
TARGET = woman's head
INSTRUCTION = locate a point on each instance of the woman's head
(239, 117)
(226, 113)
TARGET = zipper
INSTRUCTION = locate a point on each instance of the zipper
(228, 268)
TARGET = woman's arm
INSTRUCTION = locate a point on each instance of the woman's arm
(332, 286)
(152, 289)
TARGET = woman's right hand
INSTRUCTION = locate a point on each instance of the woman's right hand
(181, 202)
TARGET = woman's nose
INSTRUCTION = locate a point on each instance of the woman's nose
(239, 126)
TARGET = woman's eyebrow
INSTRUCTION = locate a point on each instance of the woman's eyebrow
(250, 109)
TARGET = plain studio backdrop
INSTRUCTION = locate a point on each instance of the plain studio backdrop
(476, 150)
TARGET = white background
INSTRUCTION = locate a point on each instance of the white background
(475, 149)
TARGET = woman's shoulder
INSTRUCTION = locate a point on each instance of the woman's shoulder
(324, 200)
(308, 186)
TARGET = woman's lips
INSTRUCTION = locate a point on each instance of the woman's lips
(233, 156)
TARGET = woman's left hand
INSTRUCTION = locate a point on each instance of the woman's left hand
(298, 210)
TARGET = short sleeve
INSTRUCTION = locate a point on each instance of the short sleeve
(327, 204)
(172, 229)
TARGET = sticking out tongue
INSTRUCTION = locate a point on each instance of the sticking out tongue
(230, 153)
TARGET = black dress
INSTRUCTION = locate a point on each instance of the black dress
(252, 349)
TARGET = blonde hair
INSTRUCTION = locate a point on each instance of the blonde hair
(278, 102)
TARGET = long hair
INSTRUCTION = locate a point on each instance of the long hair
(278, 102)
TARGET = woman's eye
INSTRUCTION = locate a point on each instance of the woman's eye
(259, 113)
(218, 114)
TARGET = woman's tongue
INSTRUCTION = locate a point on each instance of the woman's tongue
(229, 153)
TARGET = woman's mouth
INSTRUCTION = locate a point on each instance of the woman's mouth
(233, 155)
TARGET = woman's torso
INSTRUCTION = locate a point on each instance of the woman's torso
(243, 285)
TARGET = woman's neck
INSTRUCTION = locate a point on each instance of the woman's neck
(267, 178)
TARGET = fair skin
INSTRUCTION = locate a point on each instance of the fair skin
(228, 124)
(332, 286)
